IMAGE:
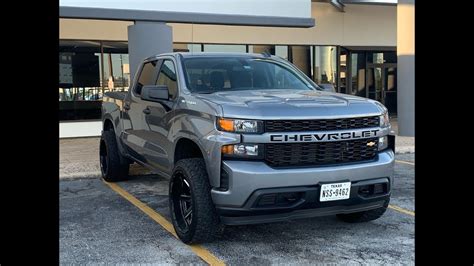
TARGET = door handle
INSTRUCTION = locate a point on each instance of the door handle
(146, 111)
(126, 106)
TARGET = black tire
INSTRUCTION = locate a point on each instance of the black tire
(113, 165)
(193, 213)
(365, 216)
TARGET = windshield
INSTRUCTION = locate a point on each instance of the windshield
(213, 74)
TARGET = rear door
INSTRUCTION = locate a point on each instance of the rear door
(134, 135)
(157, 118)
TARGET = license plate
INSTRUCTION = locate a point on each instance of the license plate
(335, 191)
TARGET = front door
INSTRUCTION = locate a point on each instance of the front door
(157, 119)
(134, 134)
(382, 85)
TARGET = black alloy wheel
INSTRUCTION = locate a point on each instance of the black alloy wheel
(182, 203)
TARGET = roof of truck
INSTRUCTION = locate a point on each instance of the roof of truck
(212, 54)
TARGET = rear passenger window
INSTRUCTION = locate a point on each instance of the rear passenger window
(168, 77)
(147, 76)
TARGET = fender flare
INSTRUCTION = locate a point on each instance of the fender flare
(192, 137)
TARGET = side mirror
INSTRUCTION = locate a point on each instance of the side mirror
(154, 92)
(327, 87)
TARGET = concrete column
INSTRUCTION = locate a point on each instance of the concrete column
(146, 39)
(406, 67)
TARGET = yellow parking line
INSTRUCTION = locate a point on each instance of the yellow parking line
(203, 253)
(405, 162)
(393, 207)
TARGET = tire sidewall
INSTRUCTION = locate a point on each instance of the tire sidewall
(116, 168)
(185, 236)
(107, 158)
(205, 224)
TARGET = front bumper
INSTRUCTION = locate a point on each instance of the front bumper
(249, 180)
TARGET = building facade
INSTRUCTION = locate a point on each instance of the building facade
(354, 50)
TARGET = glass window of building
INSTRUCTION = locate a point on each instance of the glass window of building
(88, 69)
(382, 57)
(116, 75)
(281, 51)
(260, 49)
(343, 70)
(80, 90)
(325, 65)
(180, 47)
(187, 47)
(228, 48)
(358, 74)
(278, 50)
(300, 56)
(193, 47)
(167, 77)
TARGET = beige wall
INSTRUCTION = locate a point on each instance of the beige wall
(82, 29)
(406, 29)
(359, 25)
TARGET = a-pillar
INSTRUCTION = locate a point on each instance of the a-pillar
(146, 39)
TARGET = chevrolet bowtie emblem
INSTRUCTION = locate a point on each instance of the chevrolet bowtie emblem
(371, 143)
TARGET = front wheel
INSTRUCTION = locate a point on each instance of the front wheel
(193, 213)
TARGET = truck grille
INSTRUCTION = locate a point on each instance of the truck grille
(319, 153)
(321, 124)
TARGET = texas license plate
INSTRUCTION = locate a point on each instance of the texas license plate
(335, 191)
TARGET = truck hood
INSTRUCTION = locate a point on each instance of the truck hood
(291, 104)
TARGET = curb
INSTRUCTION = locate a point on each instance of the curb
(80, 175)
(404, 149)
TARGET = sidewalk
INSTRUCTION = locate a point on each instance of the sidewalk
(402, 144)
(79, 157)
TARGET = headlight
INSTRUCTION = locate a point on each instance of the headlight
(239, 125)
(384, 121)
(383, 143)
(243, 150)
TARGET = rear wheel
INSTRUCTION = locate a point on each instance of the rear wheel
(365, 216)
(114, 167)
(193, 213)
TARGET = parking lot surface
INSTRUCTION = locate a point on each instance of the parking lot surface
(98, 225)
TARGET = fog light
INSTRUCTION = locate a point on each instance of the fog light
(383, 143)
(245, 149)
(242, 150)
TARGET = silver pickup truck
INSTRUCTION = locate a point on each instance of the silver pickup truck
(248, 138)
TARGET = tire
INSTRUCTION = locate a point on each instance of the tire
(114, 167)
(365, 216)
(193, 213)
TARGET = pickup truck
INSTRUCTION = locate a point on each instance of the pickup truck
(246, 139)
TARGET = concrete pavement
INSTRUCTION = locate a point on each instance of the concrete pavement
(99, 226)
